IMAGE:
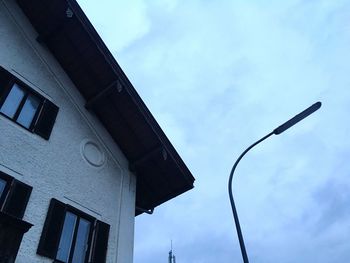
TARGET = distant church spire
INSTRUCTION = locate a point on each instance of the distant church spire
(171, 256)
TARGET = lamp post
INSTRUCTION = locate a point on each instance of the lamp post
(276, 131)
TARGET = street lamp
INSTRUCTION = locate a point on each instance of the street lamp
(276, 131)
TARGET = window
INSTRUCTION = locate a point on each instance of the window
(24, 106)
(21, 106)
(74, 239)
(2, 186)
(14, 195)
(71, 236)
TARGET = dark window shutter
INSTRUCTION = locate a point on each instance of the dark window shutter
(17, 199)
(51, 233)
(100, 242)
(5, 79)
(46, 120)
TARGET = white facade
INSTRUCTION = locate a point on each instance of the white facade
(79, 165)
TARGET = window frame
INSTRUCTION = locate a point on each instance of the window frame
(8, 180)
(27, 92)
(80, 215)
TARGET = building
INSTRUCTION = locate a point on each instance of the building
(81, 155)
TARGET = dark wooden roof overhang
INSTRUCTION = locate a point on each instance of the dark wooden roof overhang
(64, 28)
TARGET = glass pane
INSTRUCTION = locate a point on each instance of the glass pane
(12, 101)
(2, 186)
(28, 111)
(81, 244)
(66, 237)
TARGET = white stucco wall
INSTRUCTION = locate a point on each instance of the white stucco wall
(56, 168)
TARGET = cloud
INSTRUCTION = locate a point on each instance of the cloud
(124, 21)
(220, 75)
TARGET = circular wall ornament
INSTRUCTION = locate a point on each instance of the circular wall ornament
(92, 153)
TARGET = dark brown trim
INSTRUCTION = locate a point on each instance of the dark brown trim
(145, 157)
(91, 102)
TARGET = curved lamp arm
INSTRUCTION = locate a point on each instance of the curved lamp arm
(280, 129)
(234, 211)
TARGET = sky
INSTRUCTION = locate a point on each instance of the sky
(219, 75)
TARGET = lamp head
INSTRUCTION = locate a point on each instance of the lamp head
(302, 115)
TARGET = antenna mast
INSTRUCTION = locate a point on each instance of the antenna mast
(171, 258)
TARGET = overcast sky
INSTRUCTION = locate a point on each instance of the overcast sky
(219, 75)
